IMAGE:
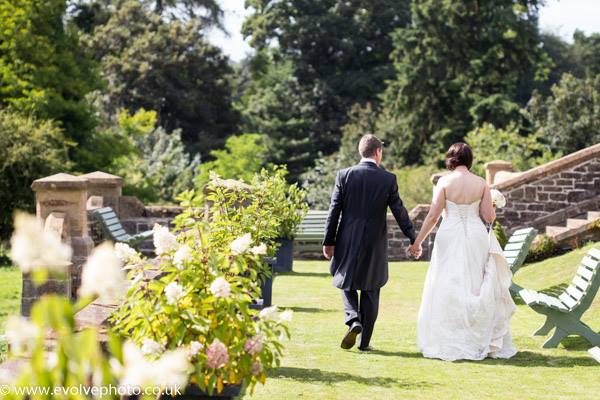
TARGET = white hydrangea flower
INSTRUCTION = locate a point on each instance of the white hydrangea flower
(220, 287)
(182, 256)
(102, 275)
(171, 370)
(498, 198)
(125, 253)
(21, 334)
(269, 313)
(195, 348)
(174, 292)
(241, 244)
(286, 316)
(34, 247)
(259, 250)
(151, 347)
(164, 240)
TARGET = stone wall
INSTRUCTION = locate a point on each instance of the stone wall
(397, 242)
(553, 192)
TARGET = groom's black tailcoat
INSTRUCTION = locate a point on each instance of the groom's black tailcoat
(361, 197)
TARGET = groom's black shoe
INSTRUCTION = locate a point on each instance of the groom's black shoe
(350, 337)
(365, 348)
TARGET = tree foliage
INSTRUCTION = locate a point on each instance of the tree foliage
(243, 157)
(29, 149)
(570, 117)
(339, 50)
(43, 70)
(458, 65)
(168, 67)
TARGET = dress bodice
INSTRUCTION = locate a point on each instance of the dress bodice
(465, 212)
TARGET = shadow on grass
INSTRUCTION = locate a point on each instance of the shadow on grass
(318, 375)
(521, 359)
(306, 274)
(312, 310)
(531, 359)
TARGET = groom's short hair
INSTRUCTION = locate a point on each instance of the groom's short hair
(368, 145)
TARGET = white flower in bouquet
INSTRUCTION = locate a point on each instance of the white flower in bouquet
(164, 240)
(498, 198)
(182, 256)
(174, 292)
(102, 275)
(195, 348)
(220, 287)
(269, 313)
(21, 334)
(34, 247)
(151, 347)
(259, 250)
(241, 244)
(286, 316)
(125, 253)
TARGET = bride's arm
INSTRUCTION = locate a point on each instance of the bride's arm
(486, 208)
(437, 207)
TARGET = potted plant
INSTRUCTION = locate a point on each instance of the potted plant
(288, 205)
(202, 299)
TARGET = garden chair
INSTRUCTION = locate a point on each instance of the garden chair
(564, 311)
(309, 235)
(595, 353)
(516, 251)
(113, 230)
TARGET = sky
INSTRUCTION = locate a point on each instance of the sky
(558, 16)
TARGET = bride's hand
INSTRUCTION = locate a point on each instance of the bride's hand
(414, 250)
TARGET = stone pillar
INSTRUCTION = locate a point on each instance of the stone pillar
(61, 204)
(108, 187)
(493, 167)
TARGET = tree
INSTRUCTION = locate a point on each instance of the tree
(168, 67)
(570, 118)
(29, 149)
(339, 51)
(458, 65)
(274, 104)
(243, 156)
(43, 70)
(586, 54)
(523, 150)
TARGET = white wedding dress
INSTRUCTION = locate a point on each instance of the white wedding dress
(466, 307)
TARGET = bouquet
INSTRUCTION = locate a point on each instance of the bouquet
(498, 199)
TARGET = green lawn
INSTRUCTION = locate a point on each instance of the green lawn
(316, 368)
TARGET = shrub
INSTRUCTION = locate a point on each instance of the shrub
(543, 247)
(500, 234)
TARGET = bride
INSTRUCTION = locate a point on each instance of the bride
(466, 307)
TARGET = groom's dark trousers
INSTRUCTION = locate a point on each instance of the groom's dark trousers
(357, 228)
(363, 309)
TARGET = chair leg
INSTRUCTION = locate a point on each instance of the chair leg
(545, 328)
(585, 331)
(554, 341)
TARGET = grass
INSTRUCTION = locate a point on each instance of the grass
(316, 368)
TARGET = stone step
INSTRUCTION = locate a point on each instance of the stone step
(555, 230)
(576, 222)
(593, 215)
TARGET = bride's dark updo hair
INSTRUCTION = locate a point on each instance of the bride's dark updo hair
(459, 154)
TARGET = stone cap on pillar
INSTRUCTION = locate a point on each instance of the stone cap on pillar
(60, 181)
(492, 167)
(103, 179)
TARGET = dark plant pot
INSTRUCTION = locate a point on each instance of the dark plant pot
(285, 256)
(192, 392)
(266, 287)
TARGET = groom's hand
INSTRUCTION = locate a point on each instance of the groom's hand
(328, 251)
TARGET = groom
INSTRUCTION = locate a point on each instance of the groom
(357, 247)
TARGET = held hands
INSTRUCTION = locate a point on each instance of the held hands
(414, 250)
(328, 251)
